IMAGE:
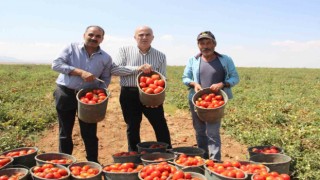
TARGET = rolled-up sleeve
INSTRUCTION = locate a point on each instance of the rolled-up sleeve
(187, 76)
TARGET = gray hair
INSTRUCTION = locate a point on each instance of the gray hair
(101, 29)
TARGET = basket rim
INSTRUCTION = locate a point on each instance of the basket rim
(108, 93)
(38, 157)
(219, 175)
(135, 165)
(9, 163)
(206, 89)
(162, 77)
(21, 148)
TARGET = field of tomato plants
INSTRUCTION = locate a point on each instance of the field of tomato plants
(271, 106)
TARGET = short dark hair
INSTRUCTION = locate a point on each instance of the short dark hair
(99, 27)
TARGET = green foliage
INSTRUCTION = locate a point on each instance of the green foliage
(271, 106)
(26, 103)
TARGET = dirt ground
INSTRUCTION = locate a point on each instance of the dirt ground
(112, 134)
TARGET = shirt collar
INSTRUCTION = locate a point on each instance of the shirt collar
(147, 51)
(81, 46)
(200, 54)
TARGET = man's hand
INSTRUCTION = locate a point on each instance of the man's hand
(86, 76)
(145, 68)
(197, 87)
(216, 87)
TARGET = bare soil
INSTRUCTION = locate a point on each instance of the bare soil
(112, 133)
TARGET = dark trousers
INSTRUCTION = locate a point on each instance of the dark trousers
(66, 106)
(132, 111)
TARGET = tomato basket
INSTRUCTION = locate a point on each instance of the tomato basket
(92, 113)
(209, 174)
(55, 158)
(194, 168)
(27, 159)
(135, 158)
(210, 115)
(275, 162)
(151, 99)
(156, 157)
(109, 175)
(5, 162)
(190, 151)
(91, 165)
(194, 175)
(252, 153)
(24, 173)
(146, 146)
(36, 177)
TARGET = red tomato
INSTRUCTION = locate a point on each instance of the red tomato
(153, 86)
(240, 174)
(159, 89)
(89, 95)
(142, 84)
(218, 97)
(161, 83)
(178, 175)
(4, 177)
(102, 97)
(92, 102)
(155, 76)
(285, 176)
(149, 91)
(49, 176)
(143, 79)
(149, 81)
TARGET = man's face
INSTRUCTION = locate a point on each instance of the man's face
(93, 37)
(144, 37)
(206, 46)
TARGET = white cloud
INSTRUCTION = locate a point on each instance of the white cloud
(290, 45)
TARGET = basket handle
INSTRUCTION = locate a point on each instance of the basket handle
(101, 81)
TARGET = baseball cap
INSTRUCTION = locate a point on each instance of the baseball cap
(206, 34)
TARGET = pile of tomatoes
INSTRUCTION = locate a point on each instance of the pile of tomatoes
(60, 161)
(152, 84)
(185, 160)
(123, 167)
(227, 169)
(85, 171)
(4, 161)
(49, 171)
(266, 150)
(183, 175)
(270, 175)
(93, 97)
(17, 153)
(211, 100)
(15, 176)
(157, 171)
(131, 153)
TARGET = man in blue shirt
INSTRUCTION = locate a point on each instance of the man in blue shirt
(79, 64)
(214, 70)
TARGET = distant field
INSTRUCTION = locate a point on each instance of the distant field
(270, 106)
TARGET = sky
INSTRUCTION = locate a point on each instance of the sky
(275, 33)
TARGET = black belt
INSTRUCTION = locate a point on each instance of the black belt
(66, 89)
(129, 88)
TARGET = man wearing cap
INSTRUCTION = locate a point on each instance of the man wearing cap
(214, 70)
